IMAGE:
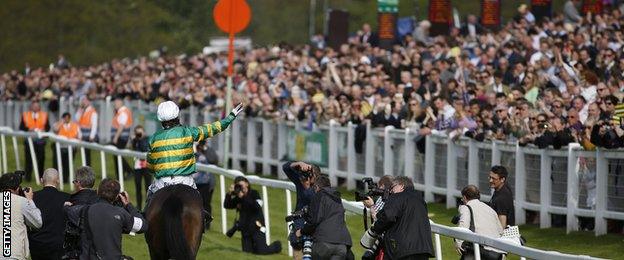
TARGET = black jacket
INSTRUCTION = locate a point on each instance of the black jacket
(250, 211)
(326, 218)
(405, 224)
(85, 196)
(49, 238)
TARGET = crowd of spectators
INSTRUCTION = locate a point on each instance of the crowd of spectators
(547, 82)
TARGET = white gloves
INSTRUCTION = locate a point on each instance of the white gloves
(238, 109)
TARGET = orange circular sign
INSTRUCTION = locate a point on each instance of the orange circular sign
(232, 16)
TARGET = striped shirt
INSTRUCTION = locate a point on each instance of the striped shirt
(171, 150)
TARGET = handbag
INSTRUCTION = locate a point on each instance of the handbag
(512, 234)
(468, 247)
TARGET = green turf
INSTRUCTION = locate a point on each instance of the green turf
(217, 245)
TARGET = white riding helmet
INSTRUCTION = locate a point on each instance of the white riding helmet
(168, 110)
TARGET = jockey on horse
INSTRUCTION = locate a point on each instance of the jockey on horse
(171, 156)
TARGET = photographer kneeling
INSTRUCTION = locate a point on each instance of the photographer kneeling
(325, 222)
(251, 221)
(404, 223)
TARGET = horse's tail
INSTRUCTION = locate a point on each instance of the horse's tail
(177, 245)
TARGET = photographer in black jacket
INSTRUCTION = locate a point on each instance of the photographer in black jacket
(251, 221)
(325, 222)
(404, 223)
(302, 175)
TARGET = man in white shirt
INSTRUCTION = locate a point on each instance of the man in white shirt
(21, 212)
(478, 217)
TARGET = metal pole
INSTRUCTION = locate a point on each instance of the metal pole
(83, 156)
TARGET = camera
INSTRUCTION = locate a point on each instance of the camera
(238, 189)
(373, 191)
(297, 214)
(233, 229)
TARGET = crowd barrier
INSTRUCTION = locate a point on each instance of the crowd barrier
(288, 187)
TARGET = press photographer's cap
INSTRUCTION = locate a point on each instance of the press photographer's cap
(168, 110)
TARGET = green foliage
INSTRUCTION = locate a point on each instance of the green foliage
(88, 32)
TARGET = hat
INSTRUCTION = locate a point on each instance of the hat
(522, 8)
(318, 98)
(168, 110)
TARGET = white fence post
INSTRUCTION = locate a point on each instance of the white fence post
(223, 211)
(573, 188)
(4, 154)
(438, 247)
(520, 186)
(267, 141)
(451, 173)
(496, 154)
(83, 156)
(473, 163)
(602, 171)
(120, 176)
(370, 152)
(429, 168)
(282, 134)
(59, 163)
(267, 217)
(388, 155)
(545, 188)
(70, 156)
(332, 153)
(410, 152)
(251, 138)
(34, 160)
(103, 163)
(351, 157)
(288, 212)
(18, 163)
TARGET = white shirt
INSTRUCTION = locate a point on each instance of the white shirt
(485, 220)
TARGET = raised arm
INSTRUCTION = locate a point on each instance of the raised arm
(211, 129)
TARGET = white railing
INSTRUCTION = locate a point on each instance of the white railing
(570, 182)
(288, 187)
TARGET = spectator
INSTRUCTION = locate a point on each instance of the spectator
(502, 199)
(480, 219)
(23, 214)
(205, 181)
(73, 243)
(325, 222)
(404, 223)
(251, 220)
(141, 172)
(570, 12)
(69, 130)
(83, 184)
(34, 120)
(105, 222)
(47, 242)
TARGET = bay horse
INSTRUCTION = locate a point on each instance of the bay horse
(175, 223)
